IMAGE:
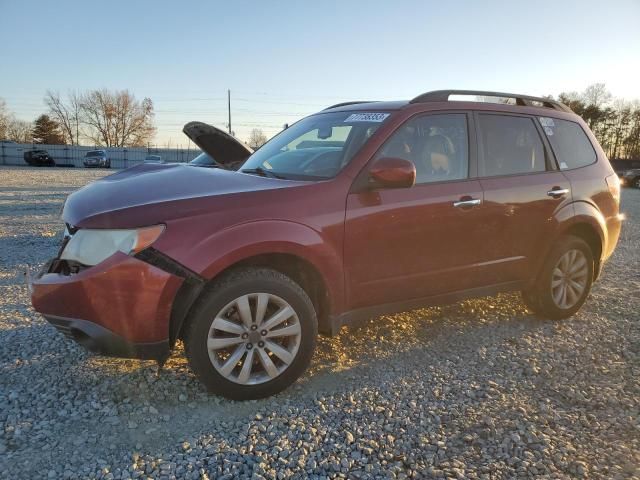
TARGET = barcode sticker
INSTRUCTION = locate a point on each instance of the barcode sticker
(366, 117)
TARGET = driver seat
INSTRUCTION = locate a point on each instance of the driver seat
(436, 158)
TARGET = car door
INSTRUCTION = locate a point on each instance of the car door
(408, 243)
(522, 191)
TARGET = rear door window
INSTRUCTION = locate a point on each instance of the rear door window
(570, 144)
(511, 145)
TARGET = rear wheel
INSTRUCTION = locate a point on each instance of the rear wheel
(252, 334)
(564, 281)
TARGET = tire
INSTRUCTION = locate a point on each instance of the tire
(636, 182)
(267, 376)
(545, 298)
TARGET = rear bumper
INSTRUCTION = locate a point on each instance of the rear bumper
(121, 306)
(96, 338)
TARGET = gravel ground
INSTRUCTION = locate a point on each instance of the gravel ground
(479, 389)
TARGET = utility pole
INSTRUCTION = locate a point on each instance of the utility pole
(229, 107)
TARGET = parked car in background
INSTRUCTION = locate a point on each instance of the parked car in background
(96, 158)
(631, 178)
(153, 159)
(204, 160)
(362, 209)
(621, 165)
(39, 158)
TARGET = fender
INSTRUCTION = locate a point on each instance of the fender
(567, 217)
(214, 254)
(580, 213)
(586, 213)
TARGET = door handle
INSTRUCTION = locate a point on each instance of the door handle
(558, 192)
(469, 202)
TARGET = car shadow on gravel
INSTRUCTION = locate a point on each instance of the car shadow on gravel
(380, 341)
(373, 346)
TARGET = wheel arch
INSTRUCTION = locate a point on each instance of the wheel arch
(298, 269)
(292, 249)
(588, 224)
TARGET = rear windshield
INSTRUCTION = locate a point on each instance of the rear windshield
(96, 153)
(316, 147)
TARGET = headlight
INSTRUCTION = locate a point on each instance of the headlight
(90, 247)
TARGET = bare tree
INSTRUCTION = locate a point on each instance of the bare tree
(596, 95)
(117, 119)
(5, 117)
(257, 138)
(67, 114)
(19, 131)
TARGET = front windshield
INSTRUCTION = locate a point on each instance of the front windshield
(316, 147)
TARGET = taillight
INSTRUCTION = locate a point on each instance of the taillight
(613, 182)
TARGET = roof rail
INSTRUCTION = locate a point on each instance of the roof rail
(523, 100)
(344, 104)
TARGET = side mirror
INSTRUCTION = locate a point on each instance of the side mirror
(391, 172)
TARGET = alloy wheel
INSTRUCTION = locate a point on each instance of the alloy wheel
(569, 279)
(254, 338)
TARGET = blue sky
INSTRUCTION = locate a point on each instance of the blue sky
(285, 59)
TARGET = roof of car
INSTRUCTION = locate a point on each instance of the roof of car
(443, 96)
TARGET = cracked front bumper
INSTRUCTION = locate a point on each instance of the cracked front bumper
(120, 307)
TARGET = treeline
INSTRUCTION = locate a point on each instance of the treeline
(97, 117)
(614, 121)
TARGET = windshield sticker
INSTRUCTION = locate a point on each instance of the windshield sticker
(548, 131)
(367, 117)
(563, 166)
(546, 122)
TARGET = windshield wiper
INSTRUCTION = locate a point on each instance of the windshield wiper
(262, 172)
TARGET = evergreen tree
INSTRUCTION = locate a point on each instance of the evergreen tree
(47, 131)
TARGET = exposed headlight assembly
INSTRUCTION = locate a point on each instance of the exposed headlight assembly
(90, 247)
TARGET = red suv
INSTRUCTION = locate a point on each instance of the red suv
(361, 209)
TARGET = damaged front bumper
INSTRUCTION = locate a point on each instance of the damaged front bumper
(120, 307)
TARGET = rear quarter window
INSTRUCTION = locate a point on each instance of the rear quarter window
(570, 144)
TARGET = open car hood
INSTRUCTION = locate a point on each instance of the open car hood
(222, 147)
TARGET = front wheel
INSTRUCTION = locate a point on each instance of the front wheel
(564, 281)
(251, 334)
